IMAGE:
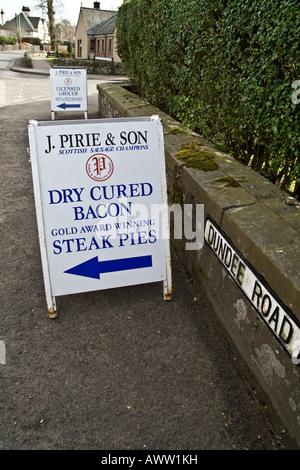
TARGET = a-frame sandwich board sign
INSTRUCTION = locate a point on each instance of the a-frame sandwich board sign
(68, 86)
(101, 204)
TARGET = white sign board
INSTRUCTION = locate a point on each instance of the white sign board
(100, 195)
(68, 89)
(277, 316)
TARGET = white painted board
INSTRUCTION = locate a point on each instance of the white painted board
(100, 189)
(68, 89)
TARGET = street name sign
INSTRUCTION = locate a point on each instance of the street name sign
(270, 308)
(101, 204)
(68, 89)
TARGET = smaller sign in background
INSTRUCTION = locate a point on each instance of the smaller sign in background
(68, 87)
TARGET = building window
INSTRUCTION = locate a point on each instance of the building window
(98, 46)
(79, 48)
(92, 44)
(109, 45)
(102, 45)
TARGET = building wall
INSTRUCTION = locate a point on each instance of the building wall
(81, 35)
(94, 46)
(104, 46)
(9, 33)
(43, 32)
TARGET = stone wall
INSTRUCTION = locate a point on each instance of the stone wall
(15, 47)
(249, 262)
(93, 65)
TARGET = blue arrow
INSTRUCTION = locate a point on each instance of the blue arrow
(93, 268)
(64, 105)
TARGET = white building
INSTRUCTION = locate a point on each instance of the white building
(26, 28)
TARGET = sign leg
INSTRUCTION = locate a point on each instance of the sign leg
(168, 287)
(168, 293)
(51, 306)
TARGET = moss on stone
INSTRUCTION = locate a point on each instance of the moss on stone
(176, 130)
(193, 157)
(230, 182)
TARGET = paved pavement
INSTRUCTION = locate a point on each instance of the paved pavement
(118, 369)
(40, 66)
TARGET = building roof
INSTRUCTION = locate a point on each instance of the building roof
(24, 22)
(35, 21)
(93, 17)
(106, 27)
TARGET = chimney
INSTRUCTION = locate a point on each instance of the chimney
(26, 10)
(2, 17)
(97, 5)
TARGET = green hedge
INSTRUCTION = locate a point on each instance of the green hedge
(225, 68)
(4, 40)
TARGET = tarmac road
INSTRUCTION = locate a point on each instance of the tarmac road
(7, 58)
(119, 369)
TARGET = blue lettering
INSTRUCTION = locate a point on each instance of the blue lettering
(65, 195)
(57, 246)
(80, 244)
(52, 201)
(150, 189)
